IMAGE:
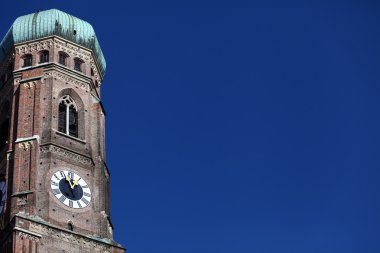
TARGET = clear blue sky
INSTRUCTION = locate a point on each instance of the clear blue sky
(250, 127)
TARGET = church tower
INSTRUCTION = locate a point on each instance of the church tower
(54, 181)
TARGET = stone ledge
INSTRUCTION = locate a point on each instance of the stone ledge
(46, 226)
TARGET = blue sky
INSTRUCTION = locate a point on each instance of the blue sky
(239, 126)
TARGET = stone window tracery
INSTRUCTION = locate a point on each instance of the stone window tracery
(68, 116)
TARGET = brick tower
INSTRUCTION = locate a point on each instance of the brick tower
(54, 182)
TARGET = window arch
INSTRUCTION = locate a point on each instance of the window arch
(28, 60)
(63, 58)
(68, 116)
(78, 64)
(44, 56)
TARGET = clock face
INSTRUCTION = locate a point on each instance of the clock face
(3, 195)
(70, 189)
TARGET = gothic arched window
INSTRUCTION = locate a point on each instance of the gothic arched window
(68, 116)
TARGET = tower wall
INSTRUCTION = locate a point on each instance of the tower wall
(34, 219)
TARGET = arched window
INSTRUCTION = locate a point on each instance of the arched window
(78, 64)
(68, 116)
(62, 58)
(44, 56)
(28, 60)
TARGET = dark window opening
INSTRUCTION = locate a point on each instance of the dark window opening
(44, 56)
(28, 60)
(62, 59)
(92, 72)
(71, 226)
(62, 117)
(4, 132)
(78, 65)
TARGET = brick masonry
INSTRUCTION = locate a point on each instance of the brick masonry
(34, 220)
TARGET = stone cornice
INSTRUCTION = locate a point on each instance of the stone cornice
(41, 227)
(68, 79)
(46, 148)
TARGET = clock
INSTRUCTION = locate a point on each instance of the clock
(3, 195)
(70, 189)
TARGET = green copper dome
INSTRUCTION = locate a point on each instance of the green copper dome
(53, 22)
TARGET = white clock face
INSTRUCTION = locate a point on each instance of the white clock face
(3, 195)
(70, 189)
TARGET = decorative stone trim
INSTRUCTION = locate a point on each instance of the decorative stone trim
(71, 49)
(71, 238)
(30, 85)
(66, 153)
(25, 234)
(25, 145)
(76, 51)
(22, 200)
(28, 236)
(67, 79)
(10, 156)
(34, 46)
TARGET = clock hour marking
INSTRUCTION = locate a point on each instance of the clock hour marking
(56, 177)
(80, 206)
(56, 191)
(71, 175)
(71, 203)
(85, 201)
(84, 186)
(54, 183)
(62, 198)
(62, 174)
(87, 194)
